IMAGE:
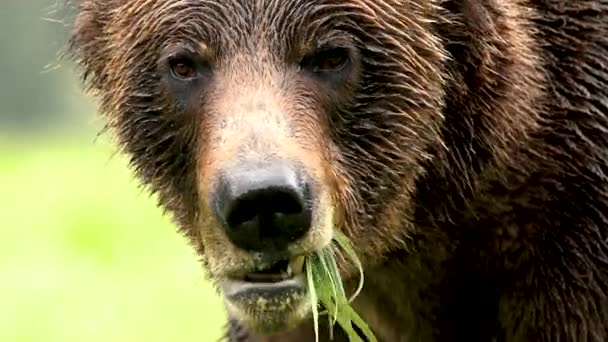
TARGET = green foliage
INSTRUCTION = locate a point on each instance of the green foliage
(325, 287)
(86, 256)
(40, 92)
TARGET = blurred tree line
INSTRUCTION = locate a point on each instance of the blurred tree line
(39, 91)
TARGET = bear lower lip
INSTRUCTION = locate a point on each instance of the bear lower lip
(267, 307)
(238, 290)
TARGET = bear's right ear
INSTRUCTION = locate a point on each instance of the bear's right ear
(89, 41)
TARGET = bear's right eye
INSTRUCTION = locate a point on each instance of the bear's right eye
(183, 68)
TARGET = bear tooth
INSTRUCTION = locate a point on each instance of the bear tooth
(289, 271)
(297, 264)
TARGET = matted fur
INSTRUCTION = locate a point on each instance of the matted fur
(466, 155)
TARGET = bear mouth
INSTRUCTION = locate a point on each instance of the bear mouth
(281, 278)
(270, 299)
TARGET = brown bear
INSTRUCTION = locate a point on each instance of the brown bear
(462, 146)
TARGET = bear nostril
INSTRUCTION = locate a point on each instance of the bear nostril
(264, 208)
(263, 205)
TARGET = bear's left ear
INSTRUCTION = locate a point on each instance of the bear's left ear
(89, 42)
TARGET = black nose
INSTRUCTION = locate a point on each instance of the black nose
(263, 208)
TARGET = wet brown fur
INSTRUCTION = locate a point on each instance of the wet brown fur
(466, 155)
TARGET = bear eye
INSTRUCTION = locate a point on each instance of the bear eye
(327, 60)
(183, 68)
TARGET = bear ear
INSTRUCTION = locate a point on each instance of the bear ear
(88, 41)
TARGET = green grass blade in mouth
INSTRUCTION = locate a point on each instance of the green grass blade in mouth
(326, 288)
(334, 279)
(344, 243)
(313, 300)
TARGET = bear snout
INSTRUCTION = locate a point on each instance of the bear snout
(263, 207)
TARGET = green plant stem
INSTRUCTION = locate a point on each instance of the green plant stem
(326, 288)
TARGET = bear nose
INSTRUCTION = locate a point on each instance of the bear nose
(263, 208)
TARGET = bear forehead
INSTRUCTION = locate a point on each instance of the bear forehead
(240, 16)
(226, 22)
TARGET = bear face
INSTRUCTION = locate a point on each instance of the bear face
(444, 138)
(222, 105)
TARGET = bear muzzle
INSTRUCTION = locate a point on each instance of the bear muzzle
(264, 208)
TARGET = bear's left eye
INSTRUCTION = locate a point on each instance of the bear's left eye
(327, 60)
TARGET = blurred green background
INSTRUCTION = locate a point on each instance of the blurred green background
(85, 255)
